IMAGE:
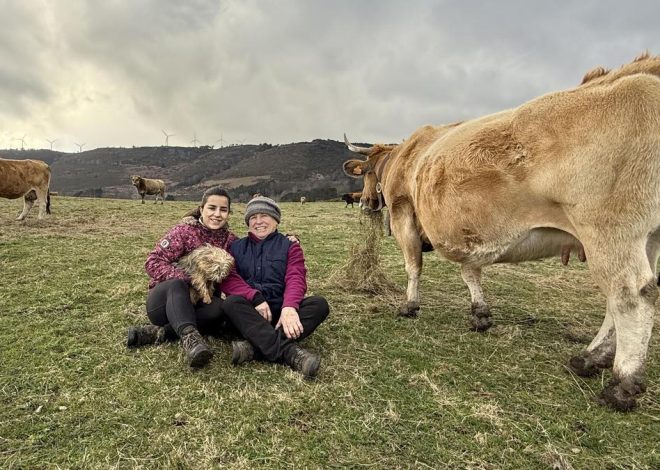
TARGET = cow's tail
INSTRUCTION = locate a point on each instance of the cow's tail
(48, 193)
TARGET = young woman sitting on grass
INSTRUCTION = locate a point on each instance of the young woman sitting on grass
(169, 306)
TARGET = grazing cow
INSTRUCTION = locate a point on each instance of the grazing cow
(29, 179)
(303, 199)
(350, 198)
(149, 186)
(568, 170)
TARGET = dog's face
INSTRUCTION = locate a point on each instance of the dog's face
(209, 262)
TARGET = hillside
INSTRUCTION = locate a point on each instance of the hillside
(284, 172)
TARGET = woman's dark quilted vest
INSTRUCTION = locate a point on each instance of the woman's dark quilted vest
(263, 266)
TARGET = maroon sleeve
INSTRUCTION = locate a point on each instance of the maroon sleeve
(234, 284)
(295, 279)
(168, 250)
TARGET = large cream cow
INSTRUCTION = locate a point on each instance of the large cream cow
(577, 166)
(19, 178)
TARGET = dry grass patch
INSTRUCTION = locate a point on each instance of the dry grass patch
(363, 270)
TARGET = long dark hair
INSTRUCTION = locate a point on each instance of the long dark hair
(213, 191)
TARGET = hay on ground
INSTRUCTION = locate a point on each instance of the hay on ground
(362, 271)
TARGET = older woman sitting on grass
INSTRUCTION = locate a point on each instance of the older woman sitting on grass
(269, 262)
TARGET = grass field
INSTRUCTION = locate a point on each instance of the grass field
(392, 392)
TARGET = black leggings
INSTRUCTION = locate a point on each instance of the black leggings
(169, 303)
(273, 344)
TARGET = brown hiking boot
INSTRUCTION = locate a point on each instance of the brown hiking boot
(197, 351)
(143, 335)
(241, 351)
(303, 361)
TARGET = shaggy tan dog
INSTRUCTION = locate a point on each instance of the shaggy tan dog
(205, 265)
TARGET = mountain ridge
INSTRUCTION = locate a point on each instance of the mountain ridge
(285, 172)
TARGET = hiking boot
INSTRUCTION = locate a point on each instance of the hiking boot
(143, 335)
(241, 351)
(303, 361)
(197, 351)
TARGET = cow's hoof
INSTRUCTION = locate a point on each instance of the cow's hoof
(481, 323)
(621, 395)
(582, 366)
(481, 318)
(410, 309)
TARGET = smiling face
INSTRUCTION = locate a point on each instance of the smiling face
(215, 212)
(262, 225)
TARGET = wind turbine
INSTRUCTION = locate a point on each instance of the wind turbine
(221, 140)
(51, 143)
(22, 139)
(167, 138)
(80, 146)
(194, 141)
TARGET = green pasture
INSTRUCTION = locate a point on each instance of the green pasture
(392, 392)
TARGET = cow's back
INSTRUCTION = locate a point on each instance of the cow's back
(20, 176)
(591, 153)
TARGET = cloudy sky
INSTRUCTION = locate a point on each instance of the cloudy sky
(120, 72)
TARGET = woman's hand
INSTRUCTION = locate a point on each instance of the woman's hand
(264, 311)
(293, 237)
(290, 323)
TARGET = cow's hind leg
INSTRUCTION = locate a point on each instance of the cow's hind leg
(600, 352)
(27, 205)
(42, 198)
(626, 278)
(480, 318)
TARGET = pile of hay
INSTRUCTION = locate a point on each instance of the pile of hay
(362, 271)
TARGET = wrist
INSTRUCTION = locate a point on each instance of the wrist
(258, 299)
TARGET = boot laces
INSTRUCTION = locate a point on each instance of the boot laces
(192, 340)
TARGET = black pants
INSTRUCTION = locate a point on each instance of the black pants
(273, 344)
(169, 303)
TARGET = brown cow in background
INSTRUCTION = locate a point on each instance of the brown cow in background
(21, 177)
(350, 198)
(148, 186)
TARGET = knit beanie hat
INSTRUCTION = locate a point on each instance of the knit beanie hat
(262, 205)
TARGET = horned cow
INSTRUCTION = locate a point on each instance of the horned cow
(149, 186)
(572, 170)
(21, 177)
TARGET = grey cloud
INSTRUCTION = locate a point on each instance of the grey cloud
(297, 70)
